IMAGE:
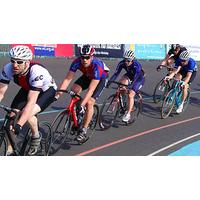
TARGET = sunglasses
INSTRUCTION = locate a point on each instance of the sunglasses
(19, 62)
(128, 60)
(85, 57)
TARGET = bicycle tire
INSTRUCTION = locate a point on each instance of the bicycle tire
(106, 120)
(168, 103)
(161, 89)
(3, 145)
(60, 129)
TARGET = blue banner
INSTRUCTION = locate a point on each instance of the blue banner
(150, 51)
(44, 51)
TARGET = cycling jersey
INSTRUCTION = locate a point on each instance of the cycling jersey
(37, 78)
(134, 71)
(190, 67)
(95, 71)
(171, 52)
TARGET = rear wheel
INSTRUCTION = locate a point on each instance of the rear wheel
(3, 145)
(160, 91)
(108, 112)
(168, 104)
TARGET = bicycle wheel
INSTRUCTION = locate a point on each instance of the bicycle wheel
(108, 112)
(3, 145)
(60, 128)
(161, 89)
(137, 108)
(168, 104)
(94, 121)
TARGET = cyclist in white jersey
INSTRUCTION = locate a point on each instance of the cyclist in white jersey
(37, 91)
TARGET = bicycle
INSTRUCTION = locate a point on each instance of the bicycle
(116, 105)
(162, 87)
(174, 98)
(68, 122)
(21, 147)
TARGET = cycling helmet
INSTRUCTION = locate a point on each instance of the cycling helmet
(175, 46)
(86, 50)
(129, 55)
(184, 56)
(21, 52)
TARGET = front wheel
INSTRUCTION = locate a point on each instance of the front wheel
(108, 112)
(168, 104)
(161, 89)
(60, 129)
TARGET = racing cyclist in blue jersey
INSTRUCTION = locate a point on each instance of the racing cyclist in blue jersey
(36, 94)
(134, 77)
(94, 79)
(185, 69)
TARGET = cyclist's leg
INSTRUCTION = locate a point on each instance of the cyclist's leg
(43, 101)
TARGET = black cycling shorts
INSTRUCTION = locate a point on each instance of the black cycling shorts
(43, 101)
(84, 83)
(184, 74)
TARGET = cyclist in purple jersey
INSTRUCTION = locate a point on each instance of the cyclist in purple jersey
(172, 55)
(185, 69)
(134, 77)
(94, 79)
(36, 94)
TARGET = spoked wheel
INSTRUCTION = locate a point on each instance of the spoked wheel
(168, 104)
(3, 145)
(60, 129)
(108, 112)
(160, 91)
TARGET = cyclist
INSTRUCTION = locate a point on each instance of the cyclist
(172, 55)
(36, 94)
(134, 77)
(94, 79)
(185, 69)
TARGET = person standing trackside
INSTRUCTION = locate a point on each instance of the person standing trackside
(37, 91)
(93, 79)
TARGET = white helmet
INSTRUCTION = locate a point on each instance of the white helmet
(21, 52)
(184, 55)
(129, 55)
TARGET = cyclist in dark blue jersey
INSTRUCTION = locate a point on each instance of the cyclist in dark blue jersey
(134, 77)
(185, 69)
(94, 79)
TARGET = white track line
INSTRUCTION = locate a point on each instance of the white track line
(173, 144)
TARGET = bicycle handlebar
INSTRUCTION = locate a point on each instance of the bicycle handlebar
(118, 83)
(8, 109)
(73, 94)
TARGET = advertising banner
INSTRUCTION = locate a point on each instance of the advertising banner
(105, 50)
(51, 49)
(150, 51)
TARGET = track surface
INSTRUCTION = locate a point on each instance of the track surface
(150, 135)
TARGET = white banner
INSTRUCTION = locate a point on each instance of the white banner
(194, 51)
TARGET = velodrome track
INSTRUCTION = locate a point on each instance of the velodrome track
(150, 135)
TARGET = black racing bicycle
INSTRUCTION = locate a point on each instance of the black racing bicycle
(21, 143)
(116, 105)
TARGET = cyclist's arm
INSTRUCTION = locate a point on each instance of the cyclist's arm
(117, 72)
(91, 89)
(164, 62)
(64, 85)
(28, 109)
(3, 88)
(174, 72)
